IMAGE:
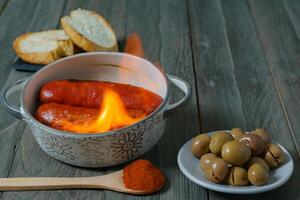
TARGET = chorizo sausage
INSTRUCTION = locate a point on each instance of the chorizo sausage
(89, 94)
(53, 114)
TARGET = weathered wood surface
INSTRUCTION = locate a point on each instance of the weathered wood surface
(227, 50)
(240, 57)
(11, 26)
(279, 34)
(3, 3)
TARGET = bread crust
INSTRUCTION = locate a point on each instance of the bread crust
(83, 42)
(65, 48)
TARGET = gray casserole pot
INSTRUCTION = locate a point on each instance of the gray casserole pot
(103, 149)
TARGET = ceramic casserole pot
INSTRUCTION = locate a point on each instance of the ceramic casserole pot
(103, 149)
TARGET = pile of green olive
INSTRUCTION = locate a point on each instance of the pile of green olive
(236, 157)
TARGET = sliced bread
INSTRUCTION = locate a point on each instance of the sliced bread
(89, 31)
(43, 47)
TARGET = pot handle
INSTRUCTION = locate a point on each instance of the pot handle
(14, 110)
(183, 86)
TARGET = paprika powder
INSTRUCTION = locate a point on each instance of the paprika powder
(143, 175)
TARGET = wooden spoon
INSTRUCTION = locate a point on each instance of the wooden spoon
(112, 181)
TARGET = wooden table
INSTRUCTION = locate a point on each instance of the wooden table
(241, 58)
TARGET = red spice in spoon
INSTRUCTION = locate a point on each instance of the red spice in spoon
(143, 175)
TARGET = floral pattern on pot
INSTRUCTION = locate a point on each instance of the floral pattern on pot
(58, 148)
(93, 151)
(126, 145)
(101, 150)
(153, 127)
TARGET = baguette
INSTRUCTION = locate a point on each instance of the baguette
(89, 31)
(43, 47)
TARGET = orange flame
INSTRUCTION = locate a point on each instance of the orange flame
(113, 115)
(134, 45)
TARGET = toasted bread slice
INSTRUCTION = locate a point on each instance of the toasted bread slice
(89, 31)
(43, 47)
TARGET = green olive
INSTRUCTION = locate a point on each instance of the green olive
(236, 153)
(200, 145)
(206, 160)
(263, 134)
(254, 142)
(259, 160)
(273, 155)
(237, 176)
(237, 133)
(257, 174)
(217, 170)
(217, 140)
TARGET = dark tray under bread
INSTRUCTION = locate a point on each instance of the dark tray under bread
(20, 65)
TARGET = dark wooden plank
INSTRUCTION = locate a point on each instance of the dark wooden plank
(30, 159)
(259, 92)
(10, 128)
(177, 59)
(3, 4)
(217, 90)
(280, 38)
(11, 26)
(225, 42)
(292, 11)
(29, 23)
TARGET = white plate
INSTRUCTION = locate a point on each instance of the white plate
(189, 165)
